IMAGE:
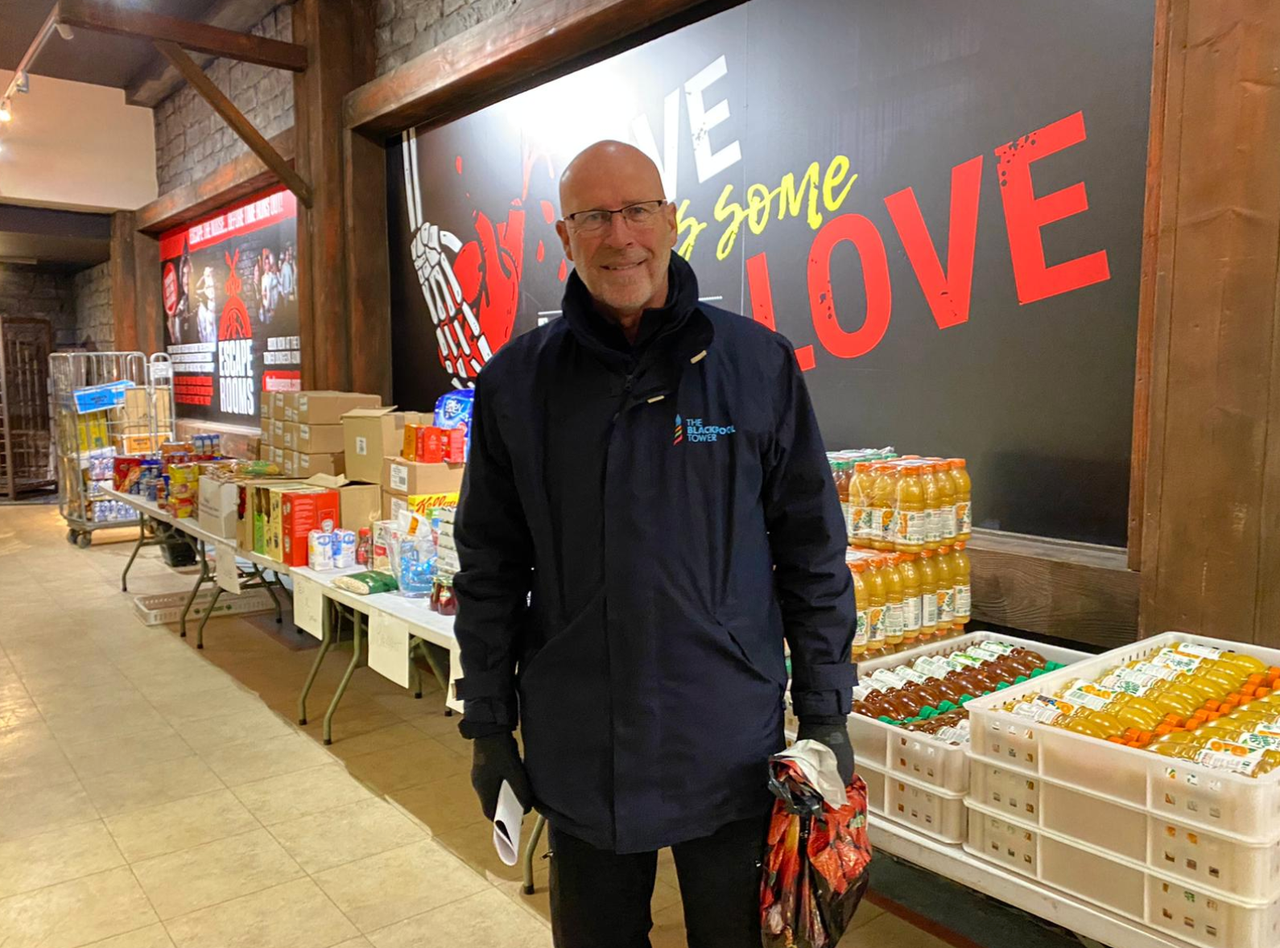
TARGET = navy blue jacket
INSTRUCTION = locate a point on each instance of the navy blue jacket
(640, 528)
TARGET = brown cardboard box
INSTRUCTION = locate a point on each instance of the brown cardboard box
(318, 439)
(277, 455)
(410, 477)
(277, 433)
(290, 412)
(132, 416)
(264, 409)
(289, 436)
(138, 443)
(311, 464)
(277, 404)
(327, 408)
(291, 463)
(369, 435)
(361, 505)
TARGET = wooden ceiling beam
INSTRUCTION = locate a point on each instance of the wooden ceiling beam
(490, 60)
(227, 110)
(157, 80)
(103, 17)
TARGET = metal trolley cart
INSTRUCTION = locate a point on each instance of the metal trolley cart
(104, 404)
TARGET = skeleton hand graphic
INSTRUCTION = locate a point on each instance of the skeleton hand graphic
(471, 285)
(463, 347)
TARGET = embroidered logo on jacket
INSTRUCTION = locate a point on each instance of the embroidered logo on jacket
(695, 430)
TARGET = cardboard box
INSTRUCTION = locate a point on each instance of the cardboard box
(319, 439)
(277, 433)
(394, 503)
(409, 444)
(312, 464)
(218, 502)
(361, 504)
(277, 456)
(369, 435)
(264, 408)
(327, 408)
(291, 463)
(138, 443)
(288, 436)
(301, 511)
(277, 404)
(412, 477)
(133, 416)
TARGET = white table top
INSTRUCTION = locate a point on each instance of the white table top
(424, 623)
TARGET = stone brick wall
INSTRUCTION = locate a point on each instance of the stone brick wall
(408, 28)
(30, 291)
(92, 294)
(191, 141)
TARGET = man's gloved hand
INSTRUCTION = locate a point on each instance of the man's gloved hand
(494, 759)
(834, 735)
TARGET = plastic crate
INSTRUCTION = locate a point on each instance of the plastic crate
(165, 608)
(1122, 779)
(938, 814)
(919, 757)
(1186, 912)
(1230, 866)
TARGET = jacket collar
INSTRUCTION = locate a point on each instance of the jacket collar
(677, 326)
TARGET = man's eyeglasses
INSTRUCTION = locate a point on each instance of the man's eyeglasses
(640, 214)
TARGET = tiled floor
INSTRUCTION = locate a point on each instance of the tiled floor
(156, 796)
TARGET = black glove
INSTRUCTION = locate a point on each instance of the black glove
(835, 736)
(494, 759)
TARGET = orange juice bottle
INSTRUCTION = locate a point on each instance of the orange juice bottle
(909, 570)
(947, 492)
(964, 513)
(909, 534)
(964, 595)
(878, 601)
(861, 602)
(860, 511)
(946, 591)
(895, 610)
(883, 501)
(928, 596)
(933, 507)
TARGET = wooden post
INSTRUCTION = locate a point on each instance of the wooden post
(1211, 507)
(368, 264)
(339, 40)
(124, 309)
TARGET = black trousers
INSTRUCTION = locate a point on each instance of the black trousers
(600, 899)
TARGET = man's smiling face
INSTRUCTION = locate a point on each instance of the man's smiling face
(624, 266)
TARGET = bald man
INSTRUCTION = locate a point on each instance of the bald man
(647, 521)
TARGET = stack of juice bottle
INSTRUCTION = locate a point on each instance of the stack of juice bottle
(1192, 702)
(909, 524)
(905, 600)
(927, 695)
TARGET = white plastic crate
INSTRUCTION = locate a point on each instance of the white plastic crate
(165, 608)
(1121, 778)
(1186, 912)
(1228, 865)
(918, 757)
(936, 813)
